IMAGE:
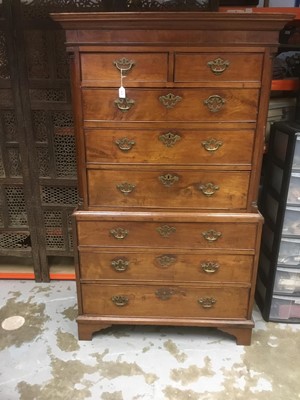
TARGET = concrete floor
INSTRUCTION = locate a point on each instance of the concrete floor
(41, 359)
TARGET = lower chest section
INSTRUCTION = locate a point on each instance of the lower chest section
(146, 265)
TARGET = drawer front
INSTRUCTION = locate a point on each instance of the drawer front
(291, 222)
(164, 301)
(287, 281)
(296, 159)
(167, 235)
(293, 196)
(285, 308)
(137, 67)
(169, 146)
(171, 105)
(165, 266)
(168, 188)
(218, 67)
(289, 252)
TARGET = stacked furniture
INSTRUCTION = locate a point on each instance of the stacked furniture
(170, 110)
(278, 284)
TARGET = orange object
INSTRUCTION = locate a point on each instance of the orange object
(17, 275)
(62, 276)
(274, 10)
(286, 84)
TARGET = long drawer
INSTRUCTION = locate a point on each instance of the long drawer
(186, 189)
(169, 146)
(125, 265)
(171, 105)
(165, 301)
(156, 230)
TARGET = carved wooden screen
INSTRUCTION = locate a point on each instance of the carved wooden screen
(38, 189)
(16, 217)
(50, 117)
(47, 91)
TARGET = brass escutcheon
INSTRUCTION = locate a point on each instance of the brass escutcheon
(124, 105)
(170, 100)
(211, 144)
(208, 189)
(125, 144)
(164, 293)
(124, 65)
(218, 65)
(125, 188)
(210, 267)
(119, 233)
(214, 103)
(207, 302)
(120, 300)
(166, 230)
(166, 260)
(211, 235)
(169, 139)
(168, 179)
(120, 264)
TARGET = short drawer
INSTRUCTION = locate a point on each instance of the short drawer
(218, 67)
(289, 252)
(285, 308)
(164, 266)
(287, 281)
(136, 67)
(168, 189)
(291, 222)
(170, 105)
(165, 301)
(169, 146)
(108, 229)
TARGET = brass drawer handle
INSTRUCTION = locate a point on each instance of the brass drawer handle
(208, 189)
(164, 293)
(214, 103)
(218, 65)
(170, 100)
(168, 179)
(124, 65)
(125, 188)
(120, 264)
(207, 302)
(166, 230)
(120, 301)
(125, 144)
(119, 233)
(124, 105)
(211, 235)
(210, 267)
(166, 260)
(212, 144)
(169, 139)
